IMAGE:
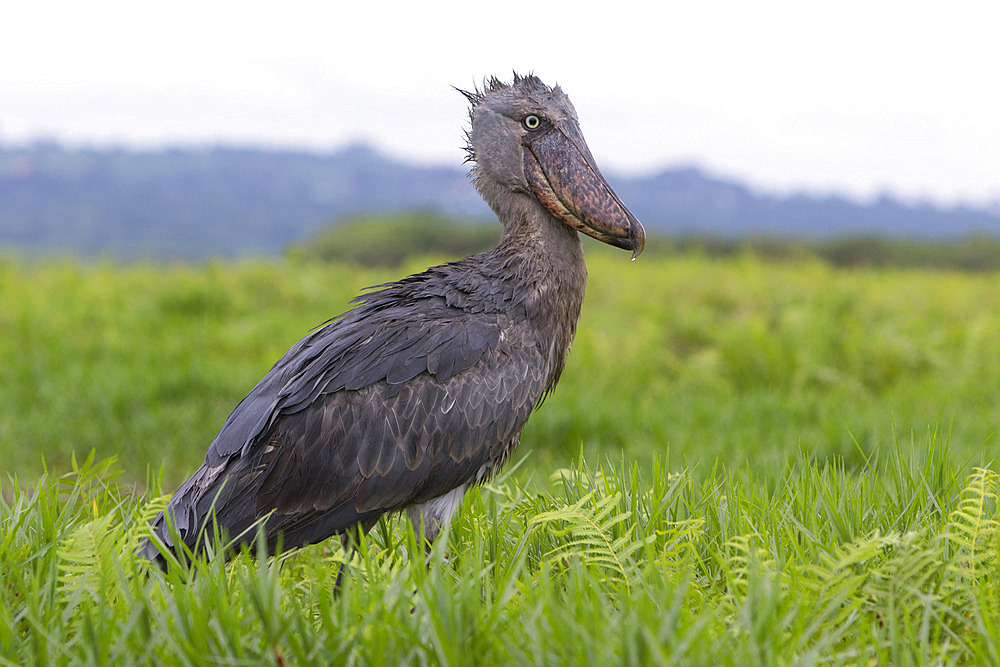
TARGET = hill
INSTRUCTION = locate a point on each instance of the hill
(200, 202)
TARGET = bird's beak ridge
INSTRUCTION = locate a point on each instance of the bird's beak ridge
(563, 176)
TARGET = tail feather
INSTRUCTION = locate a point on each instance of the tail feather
(215, 503)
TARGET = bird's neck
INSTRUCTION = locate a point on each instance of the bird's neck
(546, 260)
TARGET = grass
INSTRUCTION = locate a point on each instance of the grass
(891, 564)
(691, 357)
(746, 462)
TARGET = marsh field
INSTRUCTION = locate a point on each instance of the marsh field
(747, 462)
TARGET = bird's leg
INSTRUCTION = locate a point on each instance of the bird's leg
(429, 518)
(424, 526)
(349, 541)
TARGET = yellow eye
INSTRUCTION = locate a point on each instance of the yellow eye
(531, 122)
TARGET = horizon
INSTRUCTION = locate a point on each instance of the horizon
(869, 199)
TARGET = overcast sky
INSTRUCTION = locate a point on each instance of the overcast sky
(850, 97)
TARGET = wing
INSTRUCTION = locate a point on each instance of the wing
(359, 454)
(366, 415)
(366, 346)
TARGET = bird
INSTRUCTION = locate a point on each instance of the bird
(421, 390)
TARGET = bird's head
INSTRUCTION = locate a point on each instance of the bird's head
(526, 142)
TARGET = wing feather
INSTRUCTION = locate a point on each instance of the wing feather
(386, 406)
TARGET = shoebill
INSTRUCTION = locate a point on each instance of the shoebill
(420, 391)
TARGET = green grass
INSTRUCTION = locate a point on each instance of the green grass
(746, 462)
(891, 564)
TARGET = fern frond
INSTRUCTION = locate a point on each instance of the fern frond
(744, 555)
(679, 540)
(971, 541)
(139, 528)
(973, 530)
(842, 572)
(86, 553)
(590, 524)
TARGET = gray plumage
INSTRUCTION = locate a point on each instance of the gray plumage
(422, 389)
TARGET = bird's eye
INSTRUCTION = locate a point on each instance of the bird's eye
(531, 122)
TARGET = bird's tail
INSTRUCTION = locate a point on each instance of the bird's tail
(206, 515)
(149, 550)
(183, 528)
(162, 544)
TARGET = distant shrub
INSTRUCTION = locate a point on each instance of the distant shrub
(388, 240)
(974, 253)
(968, 254)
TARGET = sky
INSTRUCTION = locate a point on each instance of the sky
(852, 98)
